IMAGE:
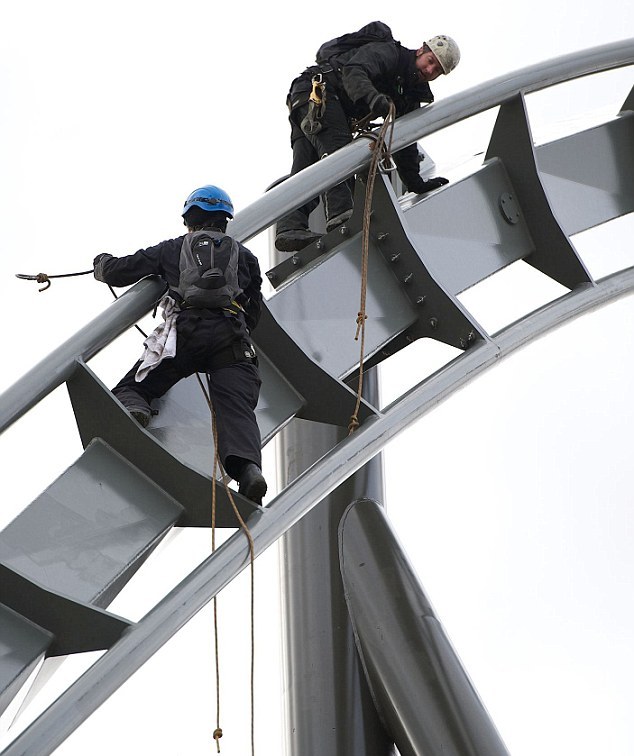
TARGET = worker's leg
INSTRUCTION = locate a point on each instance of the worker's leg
(334, 134)
(137, 396)
(234, 394)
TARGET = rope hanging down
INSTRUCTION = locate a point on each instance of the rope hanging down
(381, 159)
(218, 731)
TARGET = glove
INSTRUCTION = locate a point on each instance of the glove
(380, 105)
(98, 264)
(424, 185)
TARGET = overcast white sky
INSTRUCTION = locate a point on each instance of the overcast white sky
(513, 499)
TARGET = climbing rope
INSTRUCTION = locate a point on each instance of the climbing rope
(217, 465)
(45, 278)
(381, 159)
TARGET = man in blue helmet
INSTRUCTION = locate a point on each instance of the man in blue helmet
(201, 335)
(359, 76)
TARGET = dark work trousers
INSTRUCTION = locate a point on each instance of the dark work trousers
(334, 134)
(216, 343)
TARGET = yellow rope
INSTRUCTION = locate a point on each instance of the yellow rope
(381, 150)
(218, 731)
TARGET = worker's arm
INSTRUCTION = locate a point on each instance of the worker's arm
(364, 73)
(250, 280)
(127, 270)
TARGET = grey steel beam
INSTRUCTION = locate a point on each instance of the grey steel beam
(22, 646)
(137, 645)
(298, 189)
(75, 626)
(588, 176)
(511, 141)
(91, 529)
(628, 105)
(100, 415)
(417, 680)
(403, 296)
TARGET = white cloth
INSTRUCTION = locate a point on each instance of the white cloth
(161, 343)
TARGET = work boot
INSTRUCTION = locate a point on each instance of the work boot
(295, 239)
(338, 220)
(252, 483)
(142, 418)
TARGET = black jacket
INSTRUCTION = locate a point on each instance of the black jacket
(163, 260)
(387, 68)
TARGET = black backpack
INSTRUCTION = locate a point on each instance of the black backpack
(203, 282)
(376, 31)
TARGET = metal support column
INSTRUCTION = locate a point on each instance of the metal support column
(328, 705)
(328, 708)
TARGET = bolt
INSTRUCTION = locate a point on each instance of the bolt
(433, 323)
(271, 276)
(471, 337)
(408, 278)
(295, 260)
(383, 236)
(395, 257)
(420, 300)
(319, 244)
(343, 230)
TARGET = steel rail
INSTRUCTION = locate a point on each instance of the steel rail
(142, 640)
(352, 158)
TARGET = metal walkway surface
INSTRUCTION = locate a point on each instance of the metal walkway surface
(69, 553)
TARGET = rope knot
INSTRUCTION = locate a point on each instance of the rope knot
(217, 736)
(361, 318)
(353, 425)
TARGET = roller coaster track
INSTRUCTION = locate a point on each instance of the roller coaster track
(525, 202)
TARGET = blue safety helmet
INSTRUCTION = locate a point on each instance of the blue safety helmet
(209, 198)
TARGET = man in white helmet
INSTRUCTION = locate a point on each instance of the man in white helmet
(364, 72)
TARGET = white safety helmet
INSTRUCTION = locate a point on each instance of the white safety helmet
(446, 50)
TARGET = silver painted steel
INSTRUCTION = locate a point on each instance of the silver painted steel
(22, 646)
(417, 680)
(553, 252)
(588, 176)
(89, 527)
(463, 247)
(100, 415)
(144, 639)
